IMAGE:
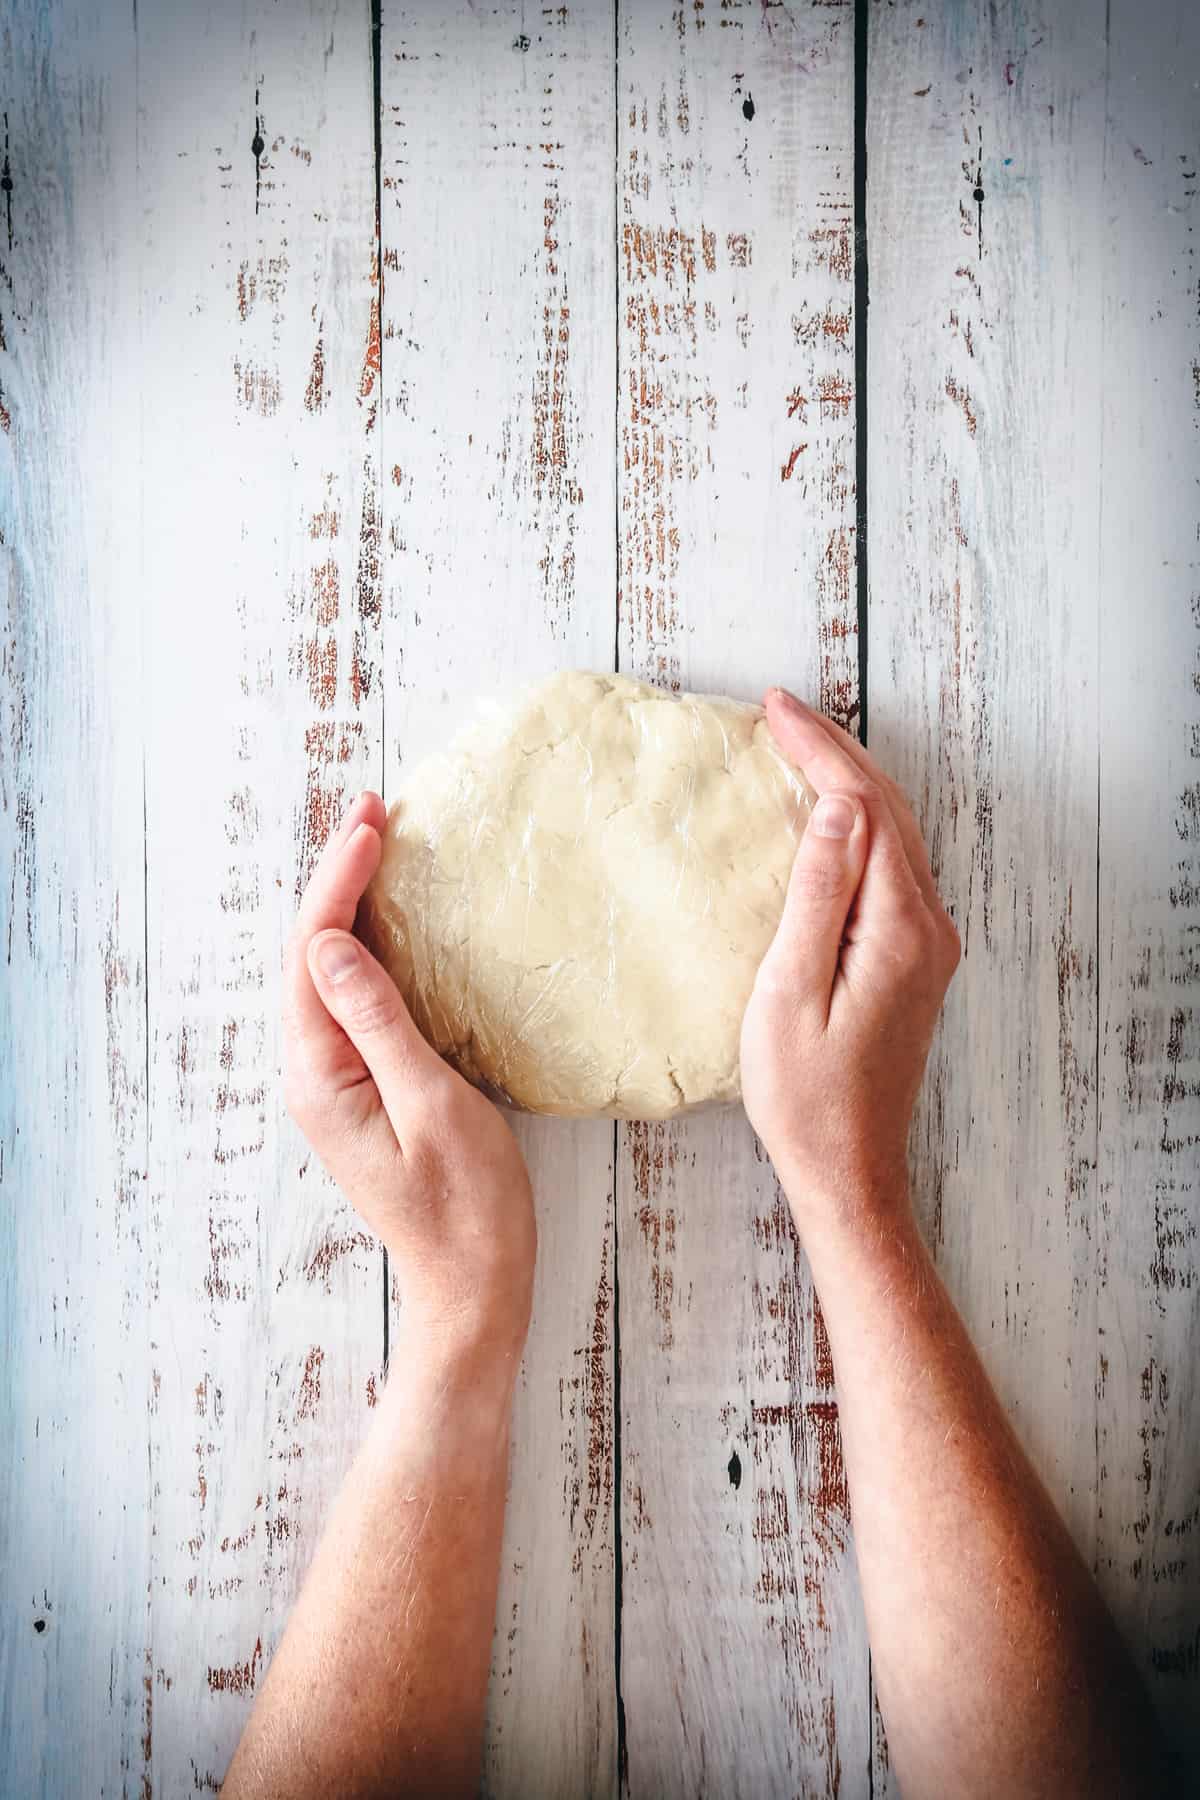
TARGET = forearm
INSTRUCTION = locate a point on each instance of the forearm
(380, 1681)
(997, 1666)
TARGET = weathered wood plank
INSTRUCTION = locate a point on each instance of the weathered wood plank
(1148, 1354)
(76, 1670)
(190, 377)
(498, 431)
(984, 419)
(743, 1667)
(1008, 488)
(263, 710)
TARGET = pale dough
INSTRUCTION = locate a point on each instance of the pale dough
(574, 899)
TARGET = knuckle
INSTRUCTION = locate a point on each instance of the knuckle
(906, 908)
(912, 935)
(777, 996)
(908, 950)
(870, 792)
(371, 1010)
(817, 877)
(951, 940)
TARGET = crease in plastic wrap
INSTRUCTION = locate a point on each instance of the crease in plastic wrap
(574, 898)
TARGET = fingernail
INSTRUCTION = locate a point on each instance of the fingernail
(833, 816)
(788, 702)
(336, 957)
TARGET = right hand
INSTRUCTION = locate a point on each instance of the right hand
(423, 1156)
(839, 1024)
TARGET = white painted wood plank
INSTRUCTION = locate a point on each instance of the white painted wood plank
(76, 1667)
(498, 431)
(1148, 1441)
(744, 1667)
(262, 713)
(198, 1296)
(1009, 487)
(984, 421)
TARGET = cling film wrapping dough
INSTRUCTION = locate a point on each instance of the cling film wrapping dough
(574, 898)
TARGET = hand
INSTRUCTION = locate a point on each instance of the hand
(840, 1020)
(428, 1162)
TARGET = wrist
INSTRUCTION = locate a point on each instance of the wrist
(462, 1316)
(451, 1398)
(856, 1251)
(855, 1196)
(856, 1226)
(478, 1356)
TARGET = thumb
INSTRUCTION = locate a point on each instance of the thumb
(828, 867)
(362, 998)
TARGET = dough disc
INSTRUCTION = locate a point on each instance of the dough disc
(575, 897)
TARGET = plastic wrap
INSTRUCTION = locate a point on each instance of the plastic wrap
(575, 897)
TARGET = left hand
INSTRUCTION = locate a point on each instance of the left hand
(426, 1160)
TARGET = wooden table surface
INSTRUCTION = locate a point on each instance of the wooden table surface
(350, 370)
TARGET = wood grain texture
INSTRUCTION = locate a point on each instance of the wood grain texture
(1004, 647)
(984, 133)
(743, 1666)
(76, 1667)
(262, 709)
(279, 501)
(498, 429)
(1147, 1355)
(984, 325)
